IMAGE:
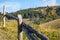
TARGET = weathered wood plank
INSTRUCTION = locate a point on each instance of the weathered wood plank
(20, 35)
(4, 16)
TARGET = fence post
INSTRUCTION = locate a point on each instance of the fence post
(4, 16)
(19, 23)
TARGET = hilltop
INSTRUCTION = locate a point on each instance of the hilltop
(41, 14)
(44, 14)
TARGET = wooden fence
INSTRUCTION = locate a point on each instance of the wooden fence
(28, 29)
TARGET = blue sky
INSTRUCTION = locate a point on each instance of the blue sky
(14, 5)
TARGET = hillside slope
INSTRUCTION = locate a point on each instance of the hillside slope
(52, 24)
(45, 14)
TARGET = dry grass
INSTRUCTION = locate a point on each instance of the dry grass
(10, 32)
(52, 24)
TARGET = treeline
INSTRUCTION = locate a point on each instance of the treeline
(43, 14)
(40, 14)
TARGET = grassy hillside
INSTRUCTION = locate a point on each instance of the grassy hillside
(50, 29)
(52, 24)
(42, 14)
(10, 32)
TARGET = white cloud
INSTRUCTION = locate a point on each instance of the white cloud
(13, 6)
(49, 2)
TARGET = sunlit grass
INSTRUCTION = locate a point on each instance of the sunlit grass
(10, 31)
(52, 34)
